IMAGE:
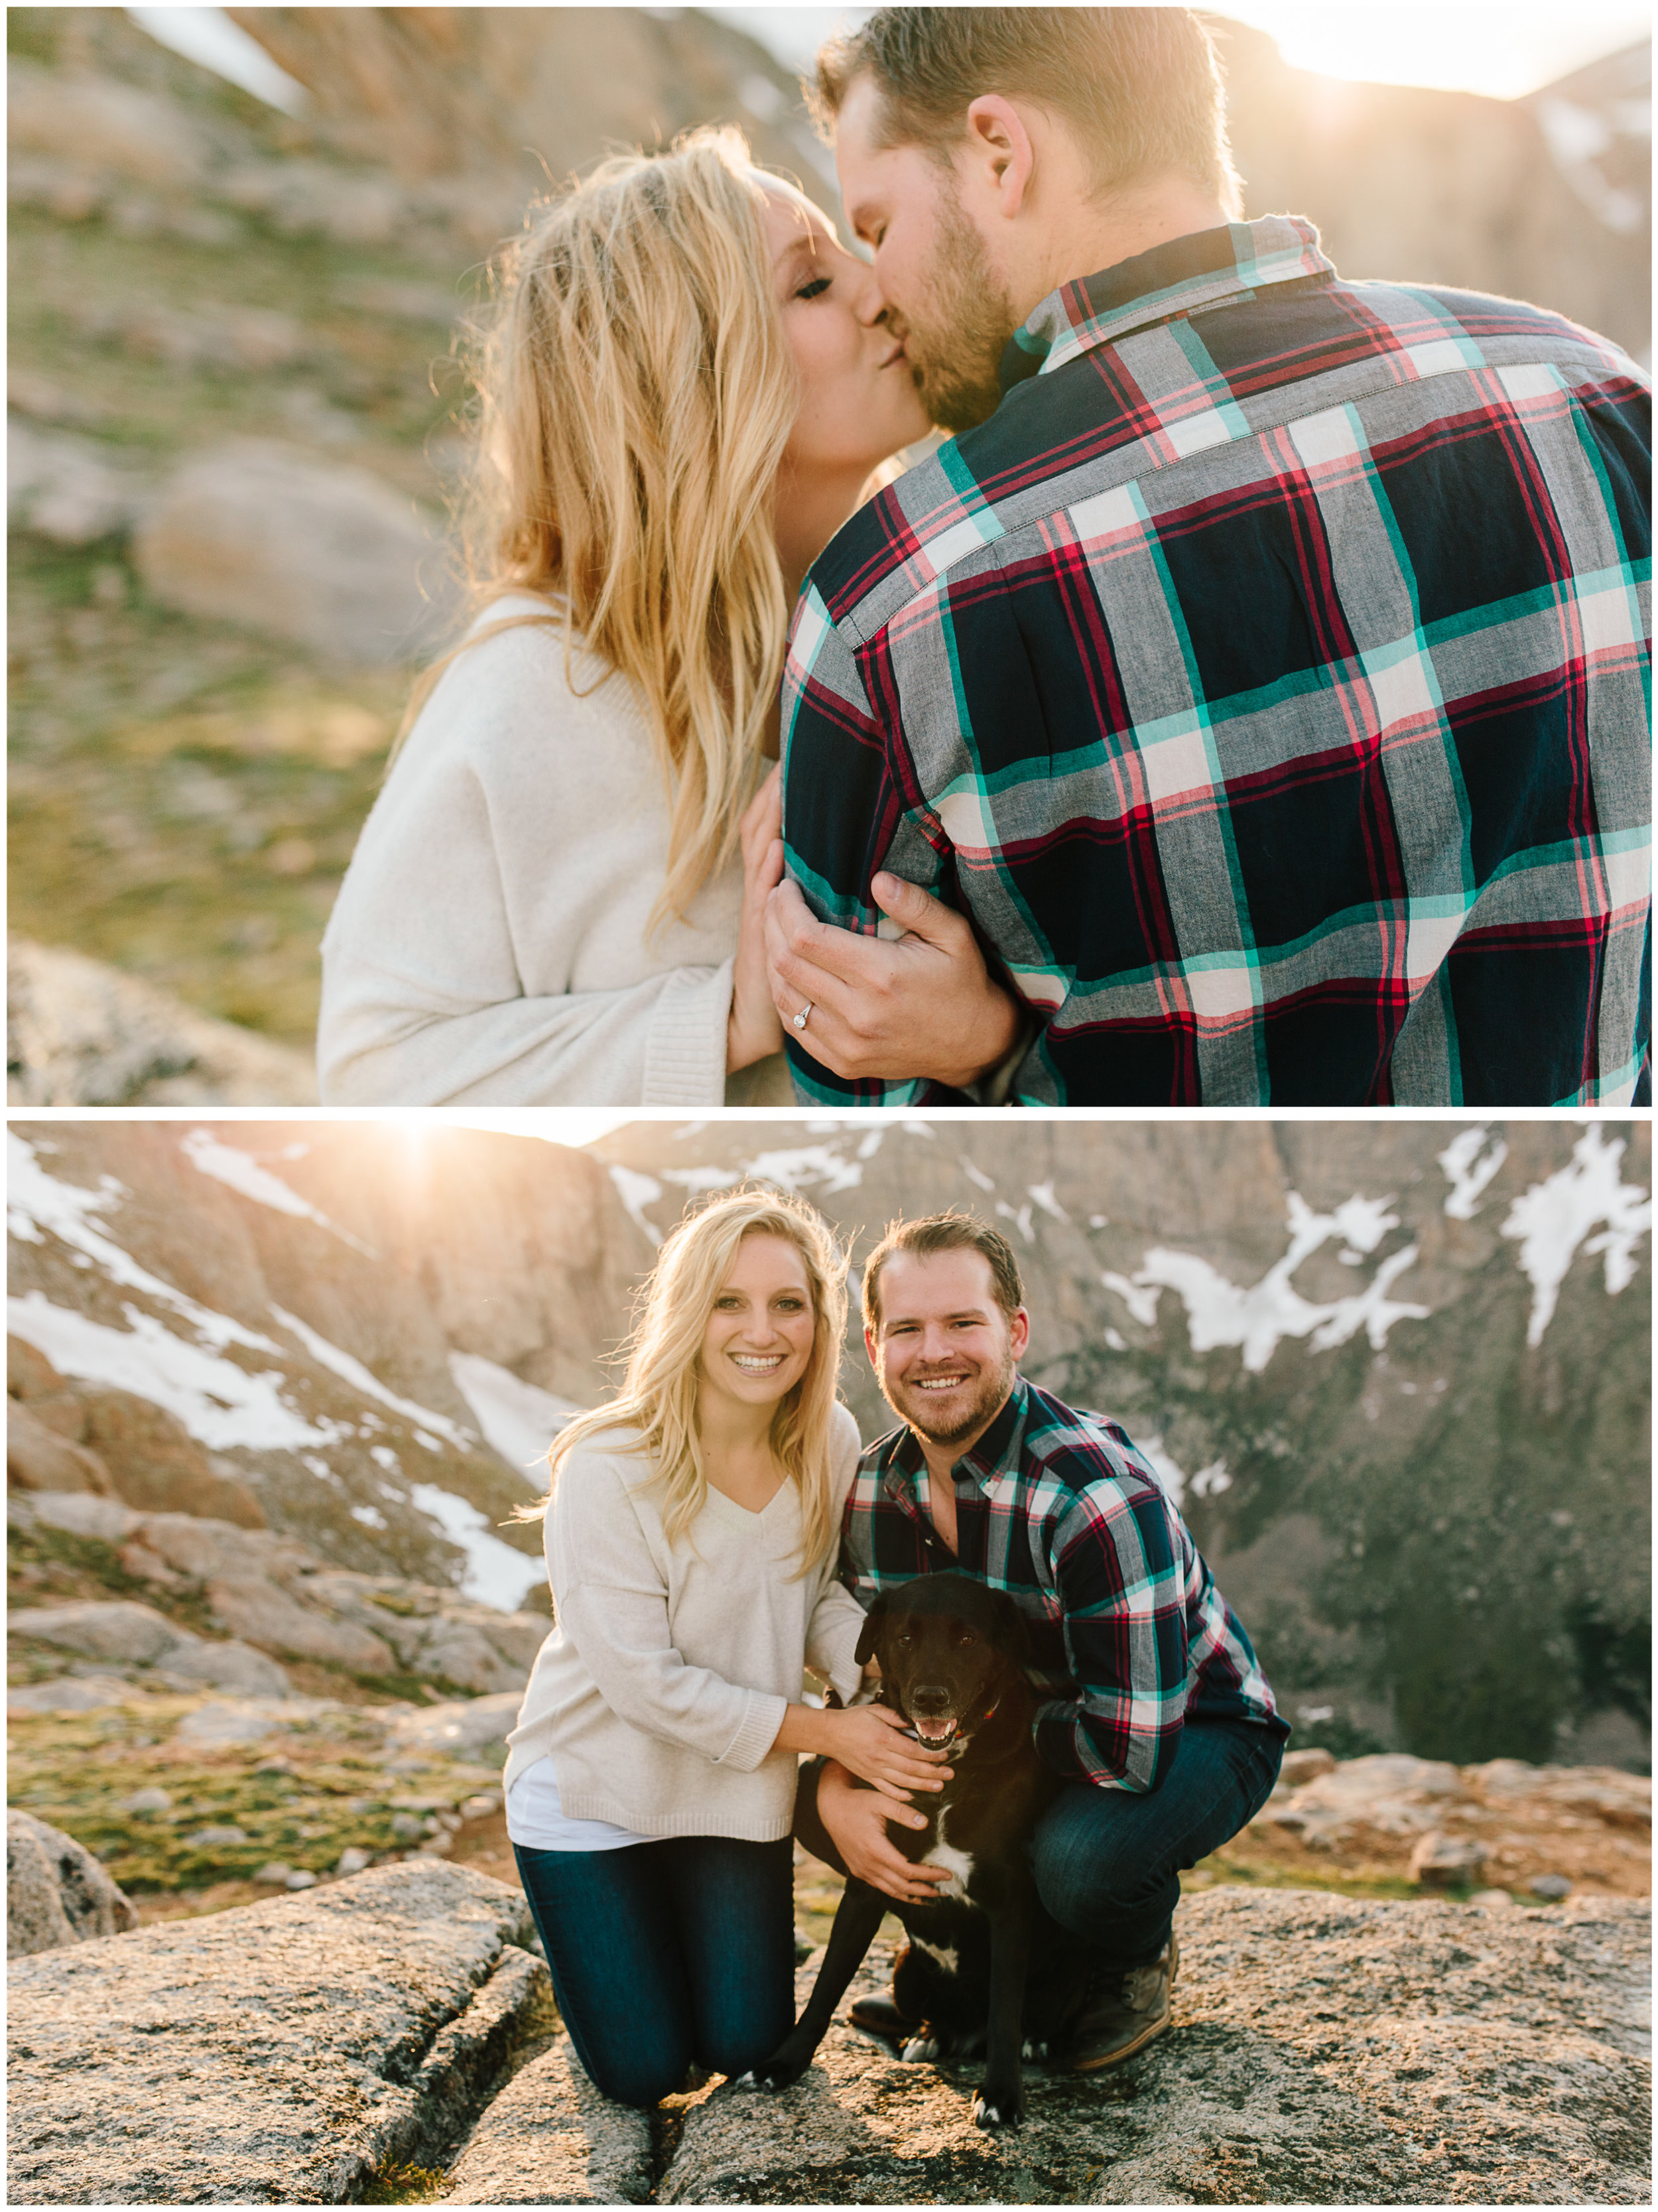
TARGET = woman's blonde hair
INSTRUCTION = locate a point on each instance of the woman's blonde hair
(658, 1394)
(634, 393)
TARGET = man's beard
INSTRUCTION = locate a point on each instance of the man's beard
(988, 1401)
(955, 348)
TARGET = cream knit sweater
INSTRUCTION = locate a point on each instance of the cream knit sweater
(660, 1694)
(489, 945)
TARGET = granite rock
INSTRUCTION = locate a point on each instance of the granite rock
(57, 1894)
(1326, 2050)
(275, 2053)
(550, 2138)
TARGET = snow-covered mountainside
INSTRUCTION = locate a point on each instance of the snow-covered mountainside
(377, 1335)
(1397, 1377)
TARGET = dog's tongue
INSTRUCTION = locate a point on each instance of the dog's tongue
(935, 1732)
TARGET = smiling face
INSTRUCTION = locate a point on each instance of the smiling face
(944, 1350)
(858, 399)
(757, 1343)
(950, 307)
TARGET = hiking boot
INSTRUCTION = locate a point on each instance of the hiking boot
(1125, 2012)
(879, 2015)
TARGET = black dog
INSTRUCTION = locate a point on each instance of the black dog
(950, 1652)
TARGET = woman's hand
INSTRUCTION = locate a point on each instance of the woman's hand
(923, 1005)
(869, 1741)
(753, 1029)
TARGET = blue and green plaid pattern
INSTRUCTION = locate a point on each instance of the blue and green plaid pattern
(1128, 1632)
(1268, 682)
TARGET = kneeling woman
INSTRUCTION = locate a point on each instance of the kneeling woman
(691, 1534)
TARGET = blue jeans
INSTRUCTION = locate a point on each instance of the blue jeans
(666, 1955)
(1107, 1863)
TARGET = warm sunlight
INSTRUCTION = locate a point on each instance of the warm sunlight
(1500, 51)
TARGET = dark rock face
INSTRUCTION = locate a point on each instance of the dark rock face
(57, 1894)
(277, 2053)
(1324, 2051)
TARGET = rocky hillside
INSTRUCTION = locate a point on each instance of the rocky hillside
(356, 1337)
(1397, 1375)
(234, 423)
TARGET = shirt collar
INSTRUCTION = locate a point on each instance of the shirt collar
(1202, 270)
(995, 1455)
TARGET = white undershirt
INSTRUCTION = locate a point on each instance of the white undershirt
(536, 1819)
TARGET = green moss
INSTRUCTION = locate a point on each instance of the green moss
(399, 2183)
(302, 1798)
(66, 1564)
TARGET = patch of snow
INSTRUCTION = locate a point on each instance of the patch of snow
(917, 1129)
(1098, 1220)
(1021, 1219)
(1259, 1317)
(1140, 1300)
(807, 1168)
(222, 1405)
(360, 1378)
(519, 1421)
(1467, 1173)
(871, 1144)
(1171, 1476)
(37, 1202)
(1210, 1481)
(976, 1175)
(370, 1515)
(1043, 1194)
(242, 1173)
(383, 1455)
(1554, 1217)
(495, 1575)
(636, 1192)
(1115, 1342)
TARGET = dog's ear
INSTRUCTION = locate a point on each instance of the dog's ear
(1011, 1633)
(870, 1634)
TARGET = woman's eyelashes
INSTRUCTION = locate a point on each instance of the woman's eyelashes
(813, 287)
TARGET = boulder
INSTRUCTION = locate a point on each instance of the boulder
(41, 1458)
(550, 2138)
(68, 488)
(80, 1033)
(157, 1465)
(1388, 1790)
(31, 1376)
(57, 1894)
(79, 1514)
(461, 1729)
(275, 2053)
(70, 1693)
(1326, 2050)
(261, 1613)
(326, 556)
(1448, 1862)
(138, 1635)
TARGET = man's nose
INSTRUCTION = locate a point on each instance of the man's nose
(869, 301)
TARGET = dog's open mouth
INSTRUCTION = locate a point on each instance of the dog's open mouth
(934, 1733)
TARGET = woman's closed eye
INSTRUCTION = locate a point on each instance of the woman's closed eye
(813, 286)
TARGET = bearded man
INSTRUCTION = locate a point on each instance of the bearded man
(1153, 1707)
(1262, 669)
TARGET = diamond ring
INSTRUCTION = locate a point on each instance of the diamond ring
(799, 1019)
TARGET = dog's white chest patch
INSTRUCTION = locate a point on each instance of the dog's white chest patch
(958, 1864)
(947, 1956)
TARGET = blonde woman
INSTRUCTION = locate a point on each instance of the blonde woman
(559, 898)
(692, 1533)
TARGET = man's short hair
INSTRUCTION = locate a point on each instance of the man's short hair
(1139, 88)
(944, 1232)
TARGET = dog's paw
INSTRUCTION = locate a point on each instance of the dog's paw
(921, 2050)
(999, 2108)
(780, 2071)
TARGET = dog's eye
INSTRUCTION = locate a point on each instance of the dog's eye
(967, 1637)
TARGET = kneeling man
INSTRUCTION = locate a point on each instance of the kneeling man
(1156, 1714)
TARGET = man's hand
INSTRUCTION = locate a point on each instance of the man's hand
(924, 1005)
(857, 1823)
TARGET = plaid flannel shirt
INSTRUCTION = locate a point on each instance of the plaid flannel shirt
(1128, 1632)
(1268, 680)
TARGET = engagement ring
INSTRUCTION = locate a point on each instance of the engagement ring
(800, 1018)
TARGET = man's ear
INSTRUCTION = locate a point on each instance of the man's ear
(1000, 151)
(869, 1636)
(1012, 1633)
(1019, 1334)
